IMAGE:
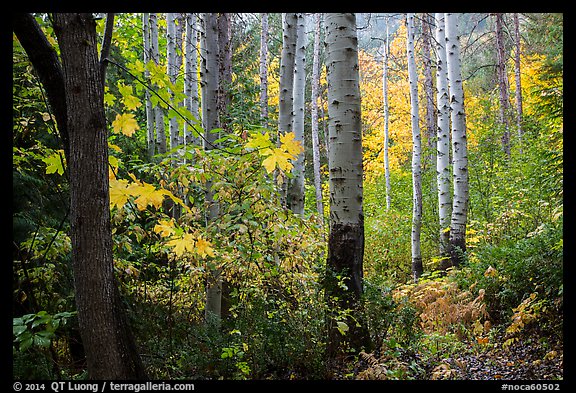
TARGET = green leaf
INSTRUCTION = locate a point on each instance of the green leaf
(54, 163)
(26, 343)
(18, 330)
(342, 327)
(41, 340)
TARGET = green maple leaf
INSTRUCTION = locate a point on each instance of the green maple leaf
(54, 163)
(259, 141)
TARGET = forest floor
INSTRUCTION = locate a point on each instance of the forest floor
(530, 358)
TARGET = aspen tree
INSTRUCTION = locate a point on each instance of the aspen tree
(386, 51)
(211, 121)
(172, 69)
(285, 95)
(150, 134)
(443, 142)
(264, 69)
(459, 144)
(191, 101)
(517, 77)
(346, 238)
(416, 151)
(502, 84)
(295, 192)
(158, 113)
(314, 117)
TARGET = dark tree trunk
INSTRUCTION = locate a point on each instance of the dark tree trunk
(109, 346)
(46, 63)
(345, 256)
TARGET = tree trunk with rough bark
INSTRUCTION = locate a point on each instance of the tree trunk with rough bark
(110, 348)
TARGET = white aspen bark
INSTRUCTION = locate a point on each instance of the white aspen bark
(286, 97)
(295, 192)
(346, 239)
(443, 142)
(386, 118)
(264, 70)
(459, 143)
(150, 137)
(210, 119)
(518, 80)
(191, 79)
(172, 70)
(314, 118)
(427, 20)
(502, 84)
(158, 113)
(224, 26)
(416, 151)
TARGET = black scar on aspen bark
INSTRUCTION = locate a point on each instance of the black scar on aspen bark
(345, 256)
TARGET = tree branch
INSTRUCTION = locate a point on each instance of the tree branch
(47, 64)
(106, 44)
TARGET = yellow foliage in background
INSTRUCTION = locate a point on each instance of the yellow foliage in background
(399, 126)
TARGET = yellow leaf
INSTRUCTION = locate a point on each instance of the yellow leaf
(259, 140)
(291, 146)
(204, 247)
(182, 244)
(165, 228)
(126, 124)
(119, 193)
(114, 147)
(490, 272)
(148, 195)
(278, 158)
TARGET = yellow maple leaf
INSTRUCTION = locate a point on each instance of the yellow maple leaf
(183, 244)
(126, 124)
(204, 247)
(278, 158)
(290, 145)
(148, 195)
(119, 192)
(165, 228)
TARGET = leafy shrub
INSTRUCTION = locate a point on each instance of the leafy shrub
(442, 307)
